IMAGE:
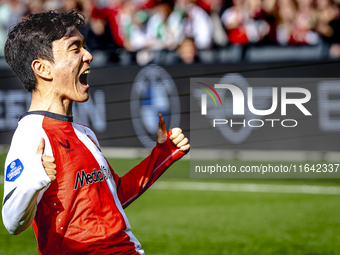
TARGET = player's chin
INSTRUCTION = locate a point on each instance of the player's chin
(84, 100)
(83, 97)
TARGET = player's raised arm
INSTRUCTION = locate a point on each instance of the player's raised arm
(171, 146)
(24, 180)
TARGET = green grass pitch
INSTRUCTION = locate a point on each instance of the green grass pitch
(176, 222)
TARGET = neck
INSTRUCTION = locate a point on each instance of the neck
(49, 102)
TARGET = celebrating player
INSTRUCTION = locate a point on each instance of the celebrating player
(56, 176)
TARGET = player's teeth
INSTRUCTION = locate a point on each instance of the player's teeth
(86, 72)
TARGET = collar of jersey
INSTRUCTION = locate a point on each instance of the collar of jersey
(49, 115)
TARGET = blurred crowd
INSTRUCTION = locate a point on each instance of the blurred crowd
(186, 26)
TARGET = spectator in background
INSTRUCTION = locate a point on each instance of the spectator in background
(233, 19)
(35, 6)
(256, 25)
(297, 23)
(95, 31)
(269, 6)
(212, 7)
(130, 23)
(190, 20)
(158, 33)
(328, 25)
(268, 14)
(286, 17)
(146, 26)
(305, 22)
(125, 21)
(10, 12)
(147, 4)
(326, 12)
(110, 14)
(187, 51)
(244, 23)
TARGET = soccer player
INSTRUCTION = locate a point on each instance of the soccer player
(56, 177)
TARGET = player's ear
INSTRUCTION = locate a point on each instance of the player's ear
(41, 68)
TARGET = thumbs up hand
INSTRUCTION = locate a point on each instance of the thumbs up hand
(47, 161)
(176, 136)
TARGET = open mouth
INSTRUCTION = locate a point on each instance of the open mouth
(83, 77)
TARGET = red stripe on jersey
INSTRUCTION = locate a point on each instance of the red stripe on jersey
(77, 212)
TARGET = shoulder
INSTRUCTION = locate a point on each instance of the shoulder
(29, 127)
(84, 129)
(26, 139)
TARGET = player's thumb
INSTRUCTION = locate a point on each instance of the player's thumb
(161, 133)
(41, 147)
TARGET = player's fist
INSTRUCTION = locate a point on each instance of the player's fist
(177, 137)
(47, 161)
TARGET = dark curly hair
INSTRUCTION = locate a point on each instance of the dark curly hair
(32, 38)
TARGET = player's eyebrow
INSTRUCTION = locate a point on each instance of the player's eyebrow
(77, 42)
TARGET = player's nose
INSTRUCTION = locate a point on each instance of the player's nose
(87, 57)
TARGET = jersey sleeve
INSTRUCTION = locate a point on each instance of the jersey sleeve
(25, 182)
(141, 177)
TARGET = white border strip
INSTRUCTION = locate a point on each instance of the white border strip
(244, 155)
(247, 187)
(213, 154)
(242, 187)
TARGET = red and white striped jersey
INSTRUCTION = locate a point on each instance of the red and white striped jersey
(82, 211)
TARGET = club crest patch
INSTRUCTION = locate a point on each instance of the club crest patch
(14, 170)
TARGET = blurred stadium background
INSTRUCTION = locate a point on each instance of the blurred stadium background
(145, 52)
